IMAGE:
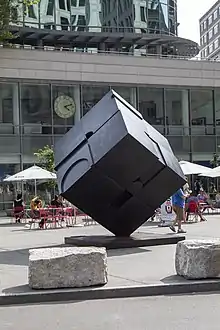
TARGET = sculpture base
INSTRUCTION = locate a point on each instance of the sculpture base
(113, 242)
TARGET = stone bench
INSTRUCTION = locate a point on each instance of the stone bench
(67, 267)
(198, 259)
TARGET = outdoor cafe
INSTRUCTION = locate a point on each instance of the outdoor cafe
(56, 213)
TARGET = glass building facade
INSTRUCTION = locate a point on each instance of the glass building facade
(138, 16)
(31, 116)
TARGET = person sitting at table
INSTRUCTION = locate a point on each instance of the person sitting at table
(36, 205)
(204, 198)
(193, 204)
(56, 202)
(18, 208)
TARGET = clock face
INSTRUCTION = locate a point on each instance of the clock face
(64, 106)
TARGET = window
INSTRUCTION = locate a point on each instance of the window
(7, 102)
(62, 4)
(210, 34)
(125, 92)
(202, 111)
(216, 29)
(177, 110)
(31, 12)
(68, 5)
(210, 20)
(73, 3)
(216, 43)
(81, 23)
(91, 95)
(82, 3)
(35, 104)
(205, 52)
(205, 39)
(64, 23)
(205, 25)
(142, 14)
(50, 8)
(215, 14)
(151, 105)
(210, 48)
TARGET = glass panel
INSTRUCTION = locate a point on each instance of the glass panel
(217, 110)
(150, 104)
(177, 111)
(179, 144)
(35, 104)
(203, 144)
(31, 143)
(66, 101)
(202, 112)
(9, 144)
(124, 92)
(8, 103)
(8, 190)
(152, 16)
(91, 95)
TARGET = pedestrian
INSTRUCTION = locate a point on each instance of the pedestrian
(197, 186)
(18, 208)
(178, 201)
(186, 188)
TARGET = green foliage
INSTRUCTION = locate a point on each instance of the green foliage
(215, 161)
(45, 158)
(9, 11)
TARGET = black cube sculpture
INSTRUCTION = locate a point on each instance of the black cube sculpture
(116, 167)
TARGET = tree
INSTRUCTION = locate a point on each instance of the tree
(9, 13)
(45, 158)
(215, 161)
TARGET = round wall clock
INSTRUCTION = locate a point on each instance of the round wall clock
(64, 106)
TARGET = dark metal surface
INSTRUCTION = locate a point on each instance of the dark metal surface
(112, 242)
(116, 167)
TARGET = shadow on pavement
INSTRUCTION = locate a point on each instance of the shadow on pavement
(174, 279)
(122, 252)
(14, 257)
(12, 225)
(20, 257)
(17, 289)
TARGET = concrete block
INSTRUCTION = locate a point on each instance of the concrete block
(67, 267)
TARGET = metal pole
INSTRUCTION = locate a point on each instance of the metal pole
(35, 187)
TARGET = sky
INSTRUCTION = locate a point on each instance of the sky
(189, 13)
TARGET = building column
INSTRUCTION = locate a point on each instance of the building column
(159, 49)
(15, 104)
(76, 93)
(134, 97)
(1, 110)
(101, 47)
(185, 112)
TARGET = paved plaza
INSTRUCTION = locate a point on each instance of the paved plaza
(127, 267)
(151, 313)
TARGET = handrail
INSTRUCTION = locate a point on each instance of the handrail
(90, 28)
(106, 52)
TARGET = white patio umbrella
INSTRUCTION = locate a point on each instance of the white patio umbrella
(32, 173)
(191, 168)
(212, 173)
